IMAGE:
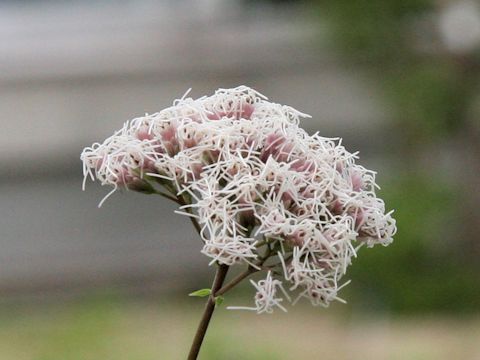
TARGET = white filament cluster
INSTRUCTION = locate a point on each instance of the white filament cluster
(264, 191)
(266, 297)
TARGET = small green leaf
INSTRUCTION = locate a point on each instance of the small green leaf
(201, 293)
(219, 300)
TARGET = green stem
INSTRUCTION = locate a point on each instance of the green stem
(166, 196)
(250, 270)
(207, 313)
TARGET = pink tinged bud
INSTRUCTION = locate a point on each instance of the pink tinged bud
(339, 167)
(158, 148)
(143, 134)
(359, 217)
(211, 156)
(215, 116)
(233, 170)
(125, 178)
(169, 134)
(194, 172)
(189, 143)
(272, 145)
(99, 163)
(188, 138)
(247, 111)
(336, 207)
(322, 264)
(297, 238)
(195, 118)
(247, 217)
(222, 114)
(278, 218)
(171, 148)
(283, 152)
(272, 140)
(302, 165)
(357, 181)
(244, 112)
(179, 173)
(278, 147)
(309, 192)
(148, 165)
(300, 211)
(287, 199)
(169, 140)
(197, 169)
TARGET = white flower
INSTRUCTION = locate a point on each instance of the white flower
(259, 186)
(266, 297)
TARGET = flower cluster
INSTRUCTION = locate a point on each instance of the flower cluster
(263, 191)
(266, 296)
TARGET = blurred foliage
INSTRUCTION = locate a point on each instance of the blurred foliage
(420, 271)
(108, 325)
(372, 31)
(429, 99)
(430, 90)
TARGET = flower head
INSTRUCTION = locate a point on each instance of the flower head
(263, 190)
(266, 297)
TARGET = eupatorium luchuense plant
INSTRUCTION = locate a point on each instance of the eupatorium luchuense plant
(260, 191)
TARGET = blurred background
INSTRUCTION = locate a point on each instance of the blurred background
(397, 79)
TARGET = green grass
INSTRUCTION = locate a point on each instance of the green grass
(112, 328)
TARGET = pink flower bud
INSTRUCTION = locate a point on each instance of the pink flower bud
(357, 181)
(244, 112)
(169, 134)
(271, 146)
(143, 134)
(336, 207)
(169, 140)
(197, 169)
(297, 238)
(247, 111)
(287, 199)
